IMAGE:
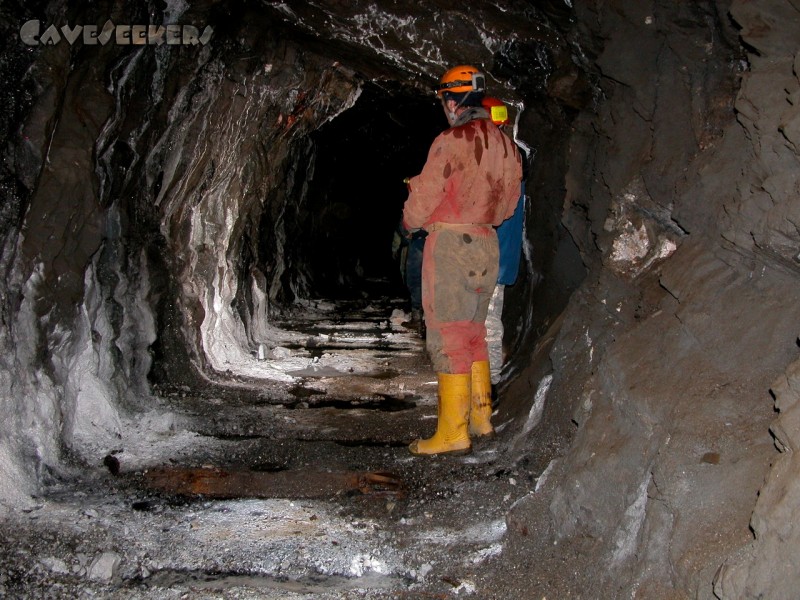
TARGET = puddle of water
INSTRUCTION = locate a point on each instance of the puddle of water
(144, 505)
(268, 467)
(163, 501)
(388, 374)
(371, 443)
(384, 404)
(222, 582)
(317, 371)
(300, 392)
(233, 437)
(323, 347)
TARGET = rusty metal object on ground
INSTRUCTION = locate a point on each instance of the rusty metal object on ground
(219, 483)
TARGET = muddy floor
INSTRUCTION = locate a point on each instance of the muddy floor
(307, 488)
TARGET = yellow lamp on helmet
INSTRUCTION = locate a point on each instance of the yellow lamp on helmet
(497, 110)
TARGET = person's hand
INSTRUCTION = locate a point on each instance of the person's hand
(397, 243)
(405, 231)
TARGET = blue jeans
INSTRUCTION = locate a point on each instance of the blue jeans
(414, 271)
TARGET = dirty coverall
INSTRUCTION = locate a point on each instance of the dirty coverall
(469, 184)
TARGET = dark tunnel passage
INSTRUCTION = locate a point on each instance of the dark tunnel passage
(356, 190)
(346, 201)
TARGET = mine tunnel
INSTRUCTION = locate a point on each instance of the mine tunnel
(357, 192)
(207, 387)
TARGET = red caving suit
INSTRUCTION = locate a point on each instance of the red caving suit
(469, 184)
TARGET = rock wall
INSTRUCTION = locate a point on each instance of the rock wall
(138, 194)
(768, 111)
(29, 396)
(681, 194)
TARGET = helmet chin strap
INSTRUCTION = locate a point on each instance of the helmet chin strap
(451, 115)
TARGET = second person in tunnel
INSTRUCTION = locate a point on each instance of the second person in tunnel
(469, 184)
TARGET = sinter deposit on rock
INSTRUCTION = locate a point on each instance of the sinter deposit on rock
(197, 277)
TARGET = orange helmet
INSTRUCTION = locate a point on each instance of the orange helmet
(463, 78)
(497, 110)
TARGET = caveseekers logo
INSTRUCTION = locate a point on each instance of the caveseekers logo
(32, 34)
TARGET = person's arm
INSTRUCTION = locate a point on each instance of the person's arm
(427, 189)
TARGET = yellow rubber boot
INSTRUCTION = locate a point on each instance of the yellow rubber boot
(451, 435)
(480, 412)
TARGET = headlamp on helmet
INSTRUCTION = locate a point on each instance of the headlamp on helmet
(460, 79)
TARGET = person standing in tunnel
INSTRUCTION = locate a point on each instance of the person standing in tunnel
(409, 257)
(469, 184)
(416, 246)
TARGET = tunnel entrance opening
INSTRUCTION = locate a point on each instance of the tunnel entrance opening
(356, 192)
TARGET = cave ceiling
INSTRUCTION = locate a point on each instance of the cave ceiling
(518, 44)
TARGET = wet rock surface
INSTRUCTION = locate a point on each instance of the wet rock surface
(107, 530)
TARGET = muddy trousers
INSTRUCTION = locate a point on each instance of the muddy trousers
(459, 273)
(459, 270)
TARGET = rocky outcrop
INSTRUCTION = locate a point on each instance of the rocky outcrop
(686, 201)
(764, 213)
(667, 462)
(768, 111)
(767, 568)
